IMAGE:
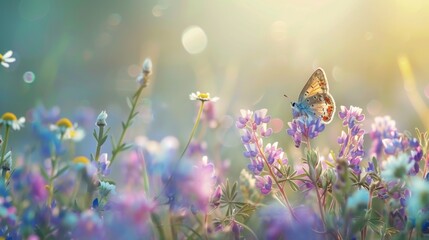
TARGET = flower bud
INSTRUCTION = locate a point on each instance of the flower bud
(101, 119)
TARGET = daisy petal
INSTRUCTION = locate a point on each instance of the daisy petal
(6, 65)
(8, 54)
(9, 60)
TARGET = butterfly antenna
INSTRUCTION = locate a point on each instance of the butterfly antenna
(285, 96)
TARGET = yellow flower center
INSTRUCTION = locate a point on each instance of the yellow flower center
(204, 95)
(81, 159)
(1, 59)
(9, 117)
(64, 122)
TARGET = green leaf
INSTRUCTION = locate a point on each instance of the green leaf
(44, 173)
(130, 105)
(103, 140)
(245, 211)
(94, 133)
(294, 186)
(248, 229)
(375, 162)
(61, 172)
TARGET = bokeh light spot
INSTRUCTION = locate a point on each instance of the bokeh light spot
(29, 77)
(194, 39)
(158, 10)
(277, 125)
(133, 70)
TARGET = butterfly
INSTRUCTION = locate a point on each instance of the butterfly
(315, 100)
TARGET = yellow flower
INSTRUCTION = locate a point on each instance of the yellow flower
(11, 120)
(64, 122)
(81, 160)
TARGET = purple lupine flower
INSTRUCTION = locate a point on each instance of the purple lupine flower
(382, 128)
(256, 165)
(216, 196)
(244, 118)
(351, 143)
(236, 229)
(351, 116)
(37, 187)
(303, 128)
(253, 127)
(201, 185)
(264, 183)
(278, 223)
(209, 114)
(89, 225)
(273, 153)
(197, 148)
(193, 186)
(103, 165)
(387, 139)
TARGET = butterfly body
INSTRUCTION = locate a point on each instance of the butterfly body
(315, 101)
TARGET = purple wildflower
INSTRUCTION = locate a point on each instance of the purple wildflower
(278, 223)
(351, 116)
(386, 139)
(351, 143)
(273, 153)
(216, 196)
(264, 183)
(253, 127)
(303, 128)
(382, 128)
(103, 165)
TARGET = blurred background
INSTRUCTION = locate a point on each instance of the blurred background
(84, 56)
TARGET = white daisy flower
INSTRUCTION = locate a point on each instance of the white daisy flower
(10, 119)
(67, 130)
(6, 59)
(202, 97)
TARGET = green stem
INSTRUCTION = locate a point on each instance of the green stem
(279, 186)
(197, 121)
(51, 181)
(54, 162)
(100, 137)
(145, 175)
(4, 145)
(118, 146)
(364, 230)
(3, 153)
(319, 199)
(172, 226)
(157, 223)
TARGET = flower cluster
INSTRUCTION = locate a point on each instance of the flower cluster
(387, 140)
(351, 143)
(304, 128)
(253, 126)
